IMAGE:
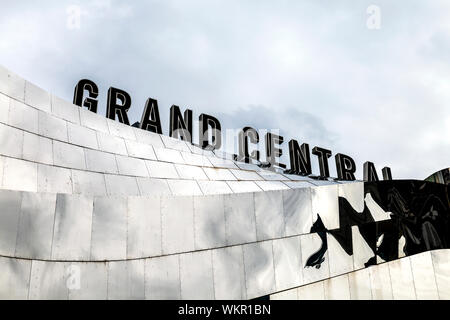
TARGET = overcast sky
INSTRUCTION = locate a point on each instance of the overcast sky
(319, 71)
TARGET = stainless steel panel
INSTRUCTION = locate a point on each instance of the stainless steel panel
(222, 163)
(48, 281)
(177, 224)
(121, 130)
(270, 175)
(196, 159)
(37, 97)
(131, 166)
(298, 184)
(10, 202)
(337, 288)
(297, 211)
(176, 144)
(219, 174)
(11, 141)
(259, 269)
(54, 179)
(68, 155)
(245, 175)
(73, 226)
(162, 278)
(121, 185)
(376, 211)
(310, 244)
(288, 263)
(354, 193)
(147, 137)
(423, 275)
(359, 282)
(52, 127)
(269, 215)
(168, 155)
(240, 222)
(109, 228)
(159, 169)
(126, 280)
(314, 291)
(82, 136)
(65, 110)
(37, 148)
(209, 217)
(196, 276)
(93, 281)
(214, 187)
(285, 295)
(190, 172)
(140, 150)
(14, 278)
(23, 116)
(153, 187)
(19, 175)
(340, 261)
(93, 120)
(402, 279)
(243, 186)
(4, 108)
(109, 143)
(380, 282)
(89, 183)
(101, 161)
(271, 185)
(229, 275)
(361, 250)
(441, 264)
(144, 227)
(325, 203)
(184, 187)
(35, 233)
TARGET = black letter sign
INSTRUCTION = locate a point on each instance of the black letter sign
(206, 121)
(90, 102)
(345, 167)
(370, 174)
(300, 158)
(112, 108)
(323, 155)
(244, 135)
(179, 127)
(150, 120)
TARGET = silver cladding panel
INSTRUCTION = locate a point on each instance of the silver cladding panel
(402, 279)
(10, 202)
(93, 281)
(259, 269)
(424, 277)
(73, 225)
(144, 227)
(287, 263)
(14, 278)
(325, 203)
(240, 222)
(310, 244)
(269, 215)
(297, 211)
(209, 217)
(109, 229)
(48, 281)
(177, 218)
(359, 283)
(337, 288)
(229, 275)
(162, 278)
(441, 263)
(35, 233)
(126, 280)
(340, 261)
(196, 275)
